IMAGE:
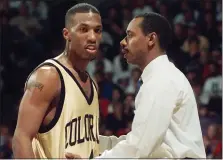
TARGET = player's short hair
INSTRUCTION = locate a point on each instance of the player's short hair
(154, 22)
(79, 8)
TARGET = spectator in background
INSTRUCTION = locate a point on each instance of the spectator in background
(124, 4)
(193, 64)
(6, 149)
(107, 67)
(21, 50)
(212, 86)
(14, 58)
(179, 35)
(163, 9)
(104, 91)
(205, 120)
(4, 131)
(192, 74)
(132, 86)
(219, 6)
(117, 96)
(38, 9)
(192, 32)
(127, 16)
(187, 14)
(4, 5)
(212, 139)
(217, 153)
(208, 28)
(207, 147)
(215, 110)
(115, 121)
(204, 57)
(107, 38)
(196, 57)
(152, 3)
(25, 22)
(122, 70)
(141, 8)
(208, 6)
(105, 85)
(5, 143)
(179, 57)
(129, 106)
(214, 57)
(113, 25)
(218, 39)
(194, 52)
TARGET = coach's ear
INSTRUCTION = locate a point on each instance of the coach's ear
(66, 34)
(151, 38)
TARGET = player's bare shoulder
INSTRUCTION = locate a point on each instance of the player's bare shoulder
(45, 79)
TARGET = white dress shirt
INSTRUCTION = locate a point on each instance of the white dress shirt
(166, 122)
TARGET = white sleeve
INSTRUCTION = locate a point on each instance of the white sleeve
(108, 142)
(154, 108)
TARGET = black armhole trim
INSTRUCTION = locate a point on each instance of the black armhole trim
(59, 108)
(90, 99)
(93, 83)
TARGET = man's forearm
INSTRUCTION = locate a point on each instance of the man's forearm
(105, 143)
(22, 148)
(108, 142)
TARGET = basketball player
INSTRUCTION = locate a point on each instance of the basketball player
(59, 111)
(166, 122)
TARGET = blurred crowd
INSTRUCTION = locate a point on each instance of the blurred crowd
(31, 33)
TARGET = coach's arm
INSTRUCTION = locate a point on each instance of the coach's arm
(42, 87)
(108, 142)
(154, 109)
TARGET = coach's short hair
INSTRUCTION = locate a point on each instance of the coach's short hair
(79, 8)
(154, 22)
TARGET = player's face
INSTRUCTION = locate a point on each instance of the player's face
(134, 45)
(85, 35)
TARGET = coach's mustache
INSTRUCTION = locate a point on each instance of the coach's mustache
(124, 50)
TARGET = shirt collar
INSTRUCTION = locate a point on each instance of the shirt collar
(154, 64)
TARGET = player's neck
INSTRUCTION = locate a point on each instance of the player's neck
(78, 64)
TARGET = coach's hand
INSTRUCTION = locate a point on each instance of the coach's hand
(72, 156)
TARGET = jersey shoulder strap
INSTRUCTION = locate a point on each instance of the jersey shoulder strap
(48, 62)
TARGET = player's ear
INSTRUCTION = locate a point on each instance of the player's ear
(66, 34)
(151, 38)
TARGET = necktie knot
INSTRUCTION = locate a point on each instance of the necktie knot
(139, 83)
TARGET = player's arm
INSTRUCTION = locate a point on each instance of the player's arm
(42, 87)
(153, 113)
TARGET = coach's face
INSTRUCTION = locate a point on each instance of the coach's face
(134, 45)
(85, 35)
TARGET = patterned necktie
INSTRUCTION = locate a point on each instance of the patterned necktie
(139, 83)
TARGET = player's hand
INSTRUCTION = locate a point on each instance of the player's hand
(72, 156)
